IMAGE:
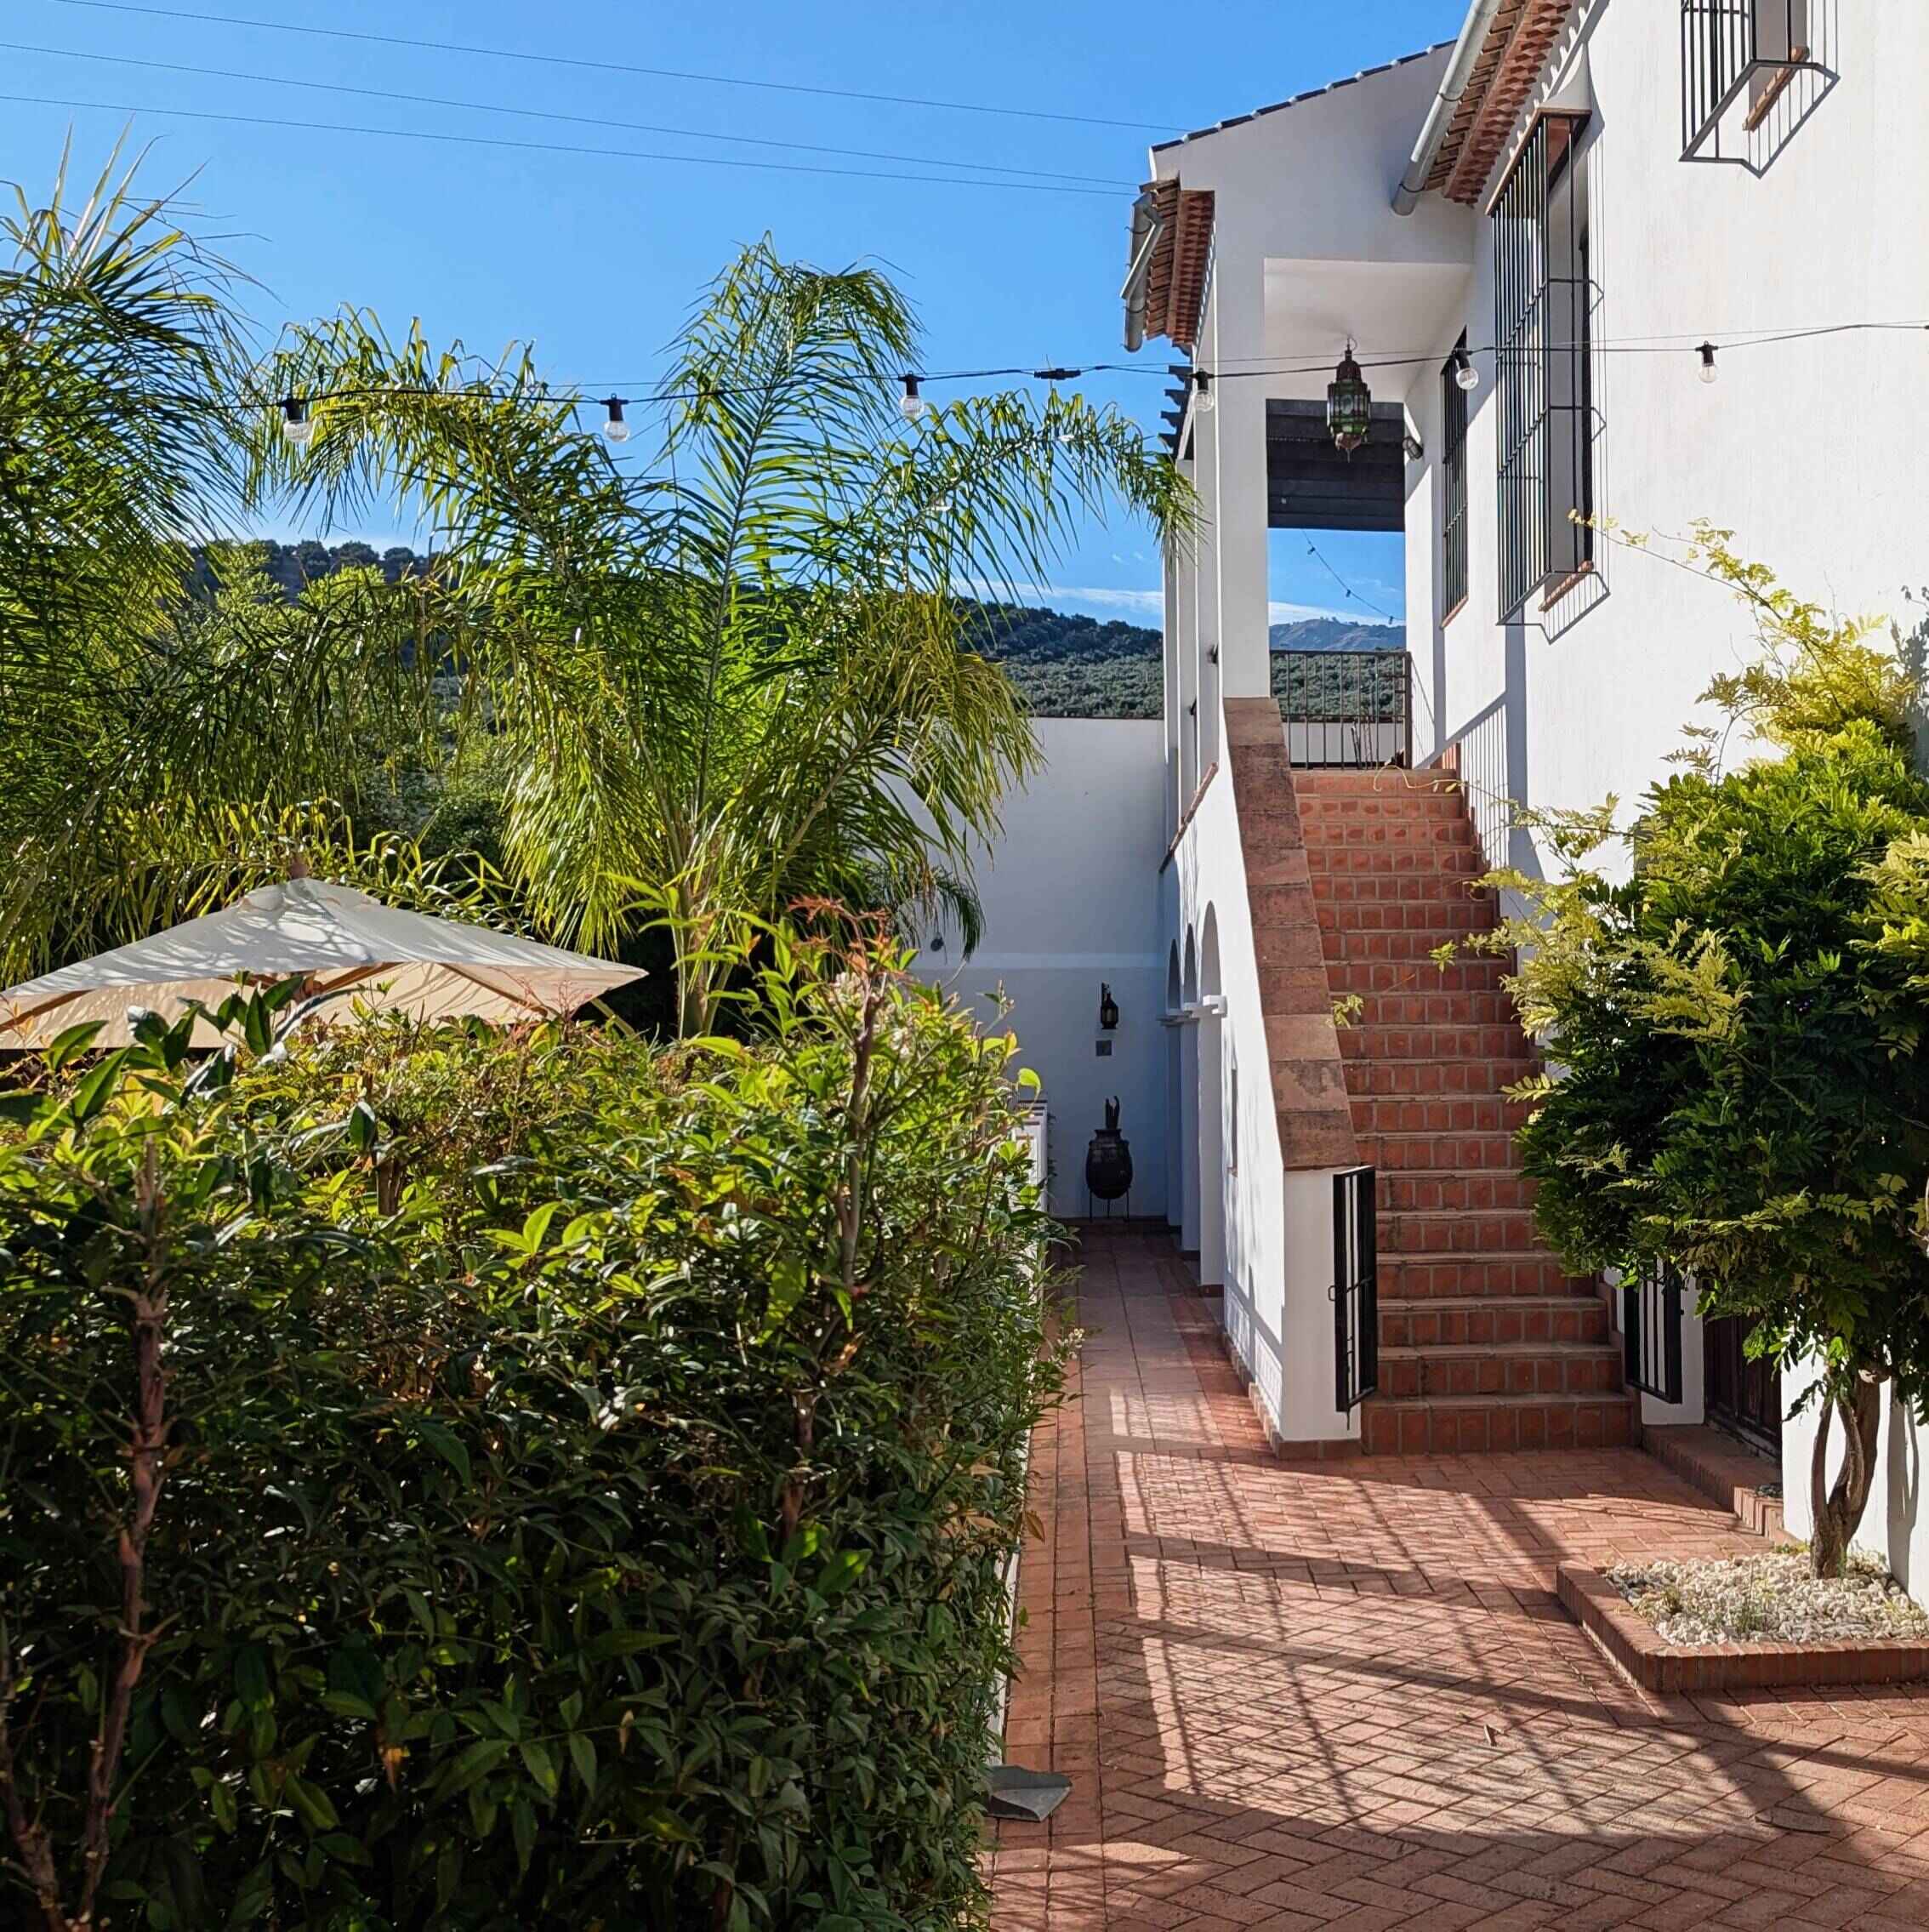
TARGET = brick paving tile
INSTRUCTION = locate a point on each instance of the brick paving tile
(1341, 1695)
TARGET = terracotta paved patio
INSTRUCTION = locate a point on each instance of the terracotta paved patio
(1342, 1695)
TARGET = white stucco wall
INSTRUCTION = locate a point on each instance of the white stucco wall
(1812, 452)
(1895, 1526)
(1070, 891)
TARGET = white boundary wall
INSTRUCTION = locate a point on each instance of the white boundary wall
(1070, 890)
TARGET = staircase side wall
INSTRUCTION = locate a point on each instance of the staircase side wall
(1242, 875)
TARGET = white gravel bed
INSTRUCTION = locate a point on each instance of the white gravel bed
(1768, 1599)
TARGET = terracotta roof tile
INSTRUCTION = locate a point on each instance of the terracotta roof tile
(1509, 63)
(1175, 277)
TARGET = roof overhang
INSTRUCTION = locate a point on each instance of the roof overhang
(1164, 291)
(1481, 100)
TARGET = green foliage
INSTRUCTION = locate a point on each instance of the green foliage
(1737, 1018)
(739, 678)
(579, 1483)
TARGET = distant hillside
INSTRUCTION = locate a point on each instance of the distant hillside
(1067, 666)
(1337, 634)
(1074, 667)
(291, 566)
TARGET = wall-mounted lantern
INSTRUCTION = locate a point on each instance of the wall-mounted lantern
(1107, 1009)
(1349, 404)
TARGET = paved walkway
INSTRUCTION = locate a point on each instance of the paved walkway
(1342, 1695)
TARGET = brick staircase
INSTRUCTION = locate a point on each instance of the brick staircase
(1484, 1342)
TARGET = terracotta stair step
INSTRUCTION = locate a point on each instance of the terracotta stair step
(1431, 1193)
(1417, 976)
(1403, 888)
(1441, 918)
(1408, 945)
(1341, 832)
(1323, 808)
(1430, 861)
(1458, 1231)
(1442, 1113)
(1514, 1369)
(1500, 1041)
(1368, 1078)
(1470, 1277)
(1378, 780)
(1473, 1321)
(1479, 1425)
(1440, 1153)
(1412, 1007)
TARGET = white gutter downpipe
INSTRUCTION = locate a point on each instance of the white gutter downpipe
(1452, 85)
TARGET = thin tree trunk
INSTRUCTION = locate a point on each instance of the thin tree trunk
(1837, 1508)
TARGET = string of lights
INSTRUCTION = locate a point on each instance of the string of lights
(1313, 550)
(603, 66)
(551, 114)
(282, 123)
(913, 405)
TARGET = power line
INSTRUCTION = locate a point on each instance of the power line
(552, 147)
(605, 66)
(1312, 551)
(550, 114)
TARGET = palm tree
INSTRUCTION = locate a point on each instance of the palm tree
(741, 675)
(140, 729)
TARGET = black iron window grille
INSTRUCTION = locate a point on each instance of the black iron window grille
(1347, 708)
(1356, 1288)
(1544, 301)
(1651, 1333)
(1452, 483)
(1751, 71)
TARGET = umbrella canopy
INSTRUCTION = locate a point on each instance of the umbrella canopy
(338, 940)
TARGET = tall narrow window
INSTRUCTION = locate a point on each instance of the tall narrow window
(1544, 303)
(1452, 483)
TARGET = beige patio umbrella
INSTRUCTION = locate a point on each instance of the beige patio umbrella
(338, 940)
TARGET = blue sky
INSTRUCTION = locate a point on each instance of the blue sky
(596, 259)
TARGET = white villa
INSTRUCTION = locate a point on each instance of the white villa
(1539, 242)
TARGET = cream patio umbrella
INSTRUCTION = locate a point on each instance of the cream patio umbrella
(335, 938)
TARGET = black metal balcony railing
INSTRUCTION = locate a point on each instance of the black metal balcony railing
(1346, 707)
(1651, 1333)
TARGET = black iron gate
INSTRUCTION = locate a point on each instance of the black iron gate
(1355, 1291)
(1651, 1333)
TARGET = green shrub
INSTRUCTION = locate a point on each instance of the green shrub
(1738, 1026)
(517, 1480)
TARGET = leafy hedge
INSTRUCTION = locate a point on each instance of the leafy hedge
(463, 1480)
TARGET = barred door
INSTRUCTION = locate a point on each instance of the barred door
(1355, 1292)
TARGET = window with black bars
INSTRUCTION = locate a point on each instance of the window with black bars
(1743, 62)
(1544, 305)
(1452, 484)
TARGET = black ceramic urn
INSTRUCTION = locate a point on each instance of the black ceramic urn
(1109, 1159)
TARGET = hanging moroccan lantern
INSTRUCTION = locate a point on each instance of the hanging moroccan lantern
(1349, 404)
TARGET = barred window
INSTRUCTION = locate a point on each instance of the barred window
(1543, 305)
(1452, 483)
(1751, 72)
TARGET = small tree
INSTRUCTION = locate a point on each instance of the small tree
(1737, 1023)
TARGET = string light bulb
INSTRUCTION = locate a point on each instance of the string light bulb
(911, 406)
(1707, 372)
(1464, 374)
(1204, 401)
(615, 429)
(295, 424)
